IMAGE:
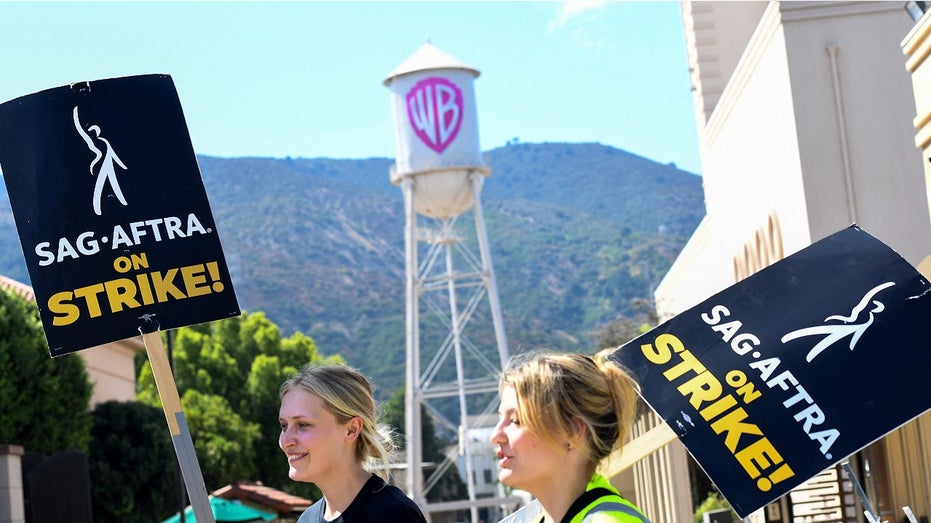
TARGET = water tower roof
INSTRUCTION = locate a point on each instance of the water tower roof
(427, 57)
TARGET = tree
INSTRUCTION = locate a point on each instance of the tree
(228, 373)
(626, 328)
(225, 440)
(132, 464)
(43, 401)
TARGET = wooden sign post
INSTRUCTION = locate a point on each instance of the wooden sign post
(177, 424)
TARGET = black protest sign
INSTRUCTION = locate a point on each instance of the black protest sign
(111, 211)
(791, 370)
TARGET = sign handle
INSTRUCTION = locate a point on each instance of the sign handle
(177, 425)
(864, 500)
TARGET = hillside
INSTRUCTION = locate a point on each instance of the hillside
(577, 231)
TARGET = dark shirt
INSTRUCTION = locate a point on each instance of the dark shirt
(377, 502)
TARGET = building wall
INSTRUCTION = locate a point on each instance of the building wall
(854, 106)
(752, 149)
(111, 368)
(793, 131)
(752, 170)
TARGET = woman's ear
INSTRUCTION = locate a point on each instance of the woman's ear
(578, 432)
(353, 428)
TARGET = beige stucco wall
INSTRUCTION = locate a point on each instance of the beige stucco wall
(814, 127)
(752, 149)
(752, 168)
(854, 104)
(112, 370)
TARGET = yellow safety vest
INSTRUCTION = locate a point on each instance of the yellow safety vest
(606, 501)
(599, 498)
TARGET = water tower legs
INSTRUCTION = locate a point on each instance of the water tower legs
(422, 278)
(412, 392)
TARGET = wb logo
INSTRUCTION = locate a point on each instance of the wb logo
(853, 325)
(435, 107)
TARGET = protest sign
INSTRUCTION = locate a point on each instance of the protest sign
(111, 211)
(115, 225)
(791, 370)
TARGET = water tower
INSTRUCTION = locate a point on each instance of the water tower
(440, 171)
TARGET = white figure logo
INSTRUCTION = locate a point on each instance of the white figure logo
(833, 333)
(105, 172)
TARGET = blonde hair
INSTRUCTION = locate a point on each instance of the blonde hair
(556, 391)
(346, 394)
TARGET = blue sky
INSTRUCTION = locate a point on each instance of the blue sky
(304, 79)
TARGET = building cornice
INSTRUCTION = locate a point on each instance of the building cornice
(768, 27)
(801, 11)
(917, 45)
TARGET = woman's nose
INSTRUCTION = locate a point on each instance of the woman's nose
(285, 440)
(497, 434)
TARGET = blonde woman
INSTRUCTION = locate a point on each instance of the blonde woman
(560, 416)
(328, 433)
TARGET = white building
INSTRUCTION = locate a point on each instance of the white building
(805, 117)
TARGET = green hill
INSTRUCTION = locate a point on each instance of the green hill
(577, 231)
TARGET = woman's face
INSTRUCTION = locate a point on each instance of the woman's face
(526, 462)
(318, 447)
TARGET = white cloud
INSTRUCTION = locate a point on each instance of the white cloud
(582, 21)
(574, 9)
